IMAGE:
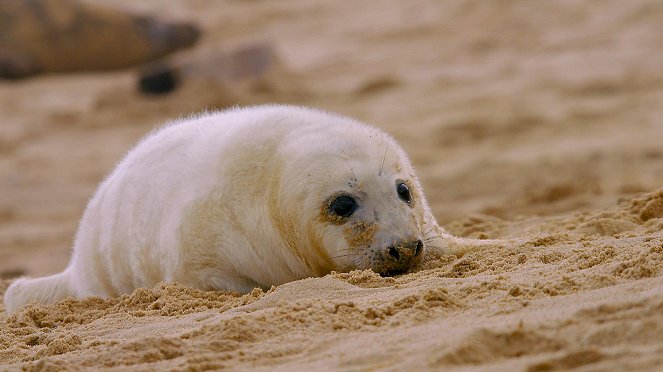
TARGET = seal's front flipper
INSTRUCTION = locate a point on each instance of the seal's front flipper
(445, 244)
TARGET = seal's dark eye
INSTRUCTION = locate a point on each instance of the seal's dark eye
(344, 206)
(404, 192)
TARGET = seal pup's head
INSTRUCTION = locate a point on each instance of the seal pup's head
(356, 190)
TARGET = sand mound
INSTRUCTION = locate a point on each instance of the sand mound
(554, 302)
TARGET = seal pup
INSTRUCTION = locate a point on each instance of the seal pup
(245, 198)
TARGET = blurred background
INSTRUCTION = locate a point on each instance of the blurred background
(509, 109)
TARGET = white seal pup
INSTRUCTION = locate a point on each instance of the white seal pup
(245, 198)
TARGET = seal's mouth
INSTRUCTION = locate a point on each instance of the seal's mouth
(399, 258)
(394, 272)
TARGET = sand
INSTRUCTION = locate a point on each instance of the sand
(532, 120)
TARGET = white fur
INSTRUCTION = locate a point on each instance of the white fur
(234, 200)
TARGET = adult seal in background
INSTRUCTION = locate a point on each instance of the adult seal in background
(56, 36)
(245, 198)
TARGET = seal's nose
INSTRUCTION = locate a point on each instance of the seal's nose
(404, 252)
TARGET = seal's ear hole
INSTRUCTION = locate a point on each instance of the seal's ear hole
(343, 206)
(404, 192)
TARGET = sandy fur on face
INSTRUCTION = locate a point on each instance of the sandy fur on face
(536, 121)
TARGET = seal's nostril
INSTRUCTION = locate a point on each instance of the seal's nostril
(394, 252)
(420, 247)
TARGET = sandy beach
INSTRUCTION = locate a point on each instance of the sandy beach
(532, 120)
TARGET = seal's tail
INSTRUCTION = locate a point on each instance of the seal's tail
(46, 290)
